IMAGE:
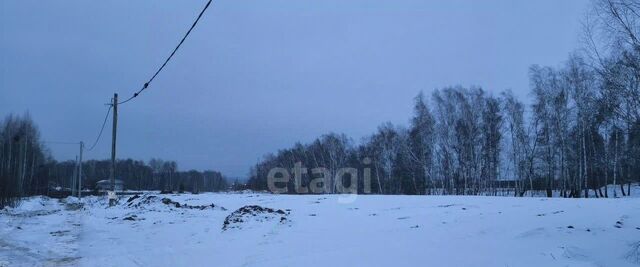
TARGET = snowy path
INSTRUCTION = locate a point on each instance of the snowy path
(320, 231)
(41, 232)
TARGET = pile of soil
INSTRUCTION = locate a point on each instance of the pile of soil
(253, 213)
(168, 201)
(138, 201)
(144, 201)
(132, 218)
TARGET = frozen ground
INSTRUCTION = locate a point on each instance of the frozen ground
(317, 230)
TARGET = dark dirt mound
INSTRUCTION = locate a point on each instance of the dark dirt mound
(132, 218)
(168, 201)
(253, 213)
(144, 201)
(138, 201)
(133, 198)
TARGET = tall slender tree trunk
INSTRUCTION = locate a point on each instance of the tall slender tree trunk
(606, 167)
(584, 158)
(615, 162)
(378, 178)
(24, 167)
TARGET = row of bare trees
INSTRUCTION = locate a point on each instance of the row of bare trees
(452, 148)
(580, 134)
(157, 174)
(165, 176)
(21, 158)
(26, 168)
(469, 142)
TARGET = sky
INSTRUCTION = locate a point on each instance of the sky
(258, 76)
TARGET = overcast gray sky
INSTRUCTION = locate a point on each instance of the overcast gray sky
(256, 76)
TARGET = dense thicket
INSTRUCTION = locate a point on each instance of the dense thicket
(580, 134)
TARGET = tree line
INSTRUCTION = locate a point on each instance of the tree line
(578, 137)
(27, 168)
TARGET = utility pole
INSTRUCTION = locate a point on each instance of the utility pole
(74, 179)
(113, 148)
(80, 171)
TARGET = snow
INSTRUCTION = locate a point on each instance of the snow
(322, 230)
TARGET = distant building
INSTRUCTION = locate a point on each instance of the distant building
(105, 185)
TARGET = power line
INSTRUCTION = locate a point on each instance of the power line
(170, 56)
(101, 128)
(61, 143)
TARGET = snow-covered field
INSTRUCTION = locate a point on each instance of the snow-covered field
(321, 230)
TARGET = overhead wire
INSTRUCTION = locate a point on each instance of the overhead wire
(106, 117)
(61, 143)
(146, 85)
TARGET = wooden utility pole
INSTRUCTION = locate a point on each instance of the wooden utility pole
(80, 171)
(74, 179)
(113, 147)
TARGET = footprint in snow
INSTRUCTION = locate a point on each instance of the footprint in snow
(533, 232)
(555, 212)
(573, 252)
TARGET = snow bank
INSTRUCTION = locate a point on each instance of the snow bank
(321, 231)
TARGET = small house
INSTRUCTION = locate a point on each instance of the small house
(105, 185)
